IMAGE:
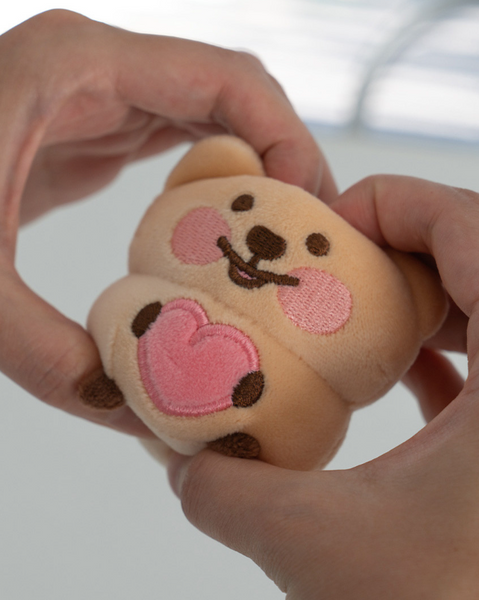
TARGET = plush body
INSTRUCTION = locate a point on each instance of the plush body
(254, 319)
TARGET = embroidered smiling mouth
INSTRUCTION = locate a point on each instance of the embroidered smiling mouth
(245, 274)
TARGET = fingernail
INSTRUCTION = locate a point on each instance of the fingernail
(178, 465)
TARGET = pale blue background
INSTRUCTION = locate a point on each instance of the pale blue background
(85, 513)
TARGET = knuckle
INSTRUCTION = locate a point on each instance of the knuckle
(47, 26)
(251, 59)
(277, 84)
(57, 16)
(42, 37)
(249, 62)
(58, 53)
(468, 196)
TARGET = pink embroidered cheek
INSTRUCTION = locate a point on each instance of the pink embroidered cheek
(320, 304)
(189, 366)
(194, 238)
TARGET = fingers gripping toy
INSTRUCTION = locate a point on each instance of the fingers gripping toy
(254, 319)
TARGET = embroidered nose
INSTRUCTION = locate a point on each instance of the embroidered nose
(264, 244)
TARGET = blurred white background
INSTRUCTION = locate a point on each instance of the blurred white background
(387, 86)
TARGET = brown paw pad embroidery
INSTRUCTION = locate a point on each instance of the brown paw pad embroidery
(238, 445)
(147, 315)
(101, 392)
(249, 390)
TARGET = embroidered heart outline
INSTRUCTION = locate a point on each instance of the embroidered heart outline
(192, 367)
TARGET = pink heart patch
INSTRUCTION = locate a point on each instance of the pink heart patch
(190, 366)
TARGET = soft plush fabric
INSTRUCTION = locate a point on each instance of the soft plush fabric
(254, 319)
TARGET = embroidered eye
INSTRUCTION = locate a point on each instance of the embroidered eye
(243, 203)
(317, 244)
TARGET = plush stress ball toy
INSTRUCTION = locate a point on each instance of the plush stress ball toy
(254, 319)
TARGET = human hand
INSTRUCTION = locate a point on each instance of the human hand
(78, 101)
(403, 526)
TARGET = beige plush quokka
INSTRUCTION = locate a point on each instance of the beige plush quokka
(254, 319)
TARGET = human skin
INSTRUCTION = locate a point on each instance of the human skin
(78, 101)
(405, 525)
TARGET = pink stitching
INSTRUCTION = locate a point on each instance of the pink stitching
(194, 238)
(320, 304)
(190, 366)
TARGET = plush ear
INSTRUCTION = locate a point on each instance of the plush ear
(218, 156)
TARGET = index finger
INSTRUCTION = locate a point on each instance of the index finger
(414, 215)
(188, 80)
(50, 356)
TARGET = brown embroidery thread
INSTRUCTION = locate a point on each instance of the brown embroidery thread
(265, 244)
(248, 391)
(317, 244)
(239, 445)
(256, 278)
(145, 318)
(101, 392)
(243, 203)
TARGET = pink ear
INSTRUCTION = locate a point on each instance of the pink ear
(320, 304)
(194, 238)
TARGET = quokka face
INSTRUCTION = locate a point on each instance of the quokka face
(254, 319)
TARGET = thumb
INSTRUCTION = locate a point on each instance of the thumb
(248, 505)
(434, 381)
(49, 355)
